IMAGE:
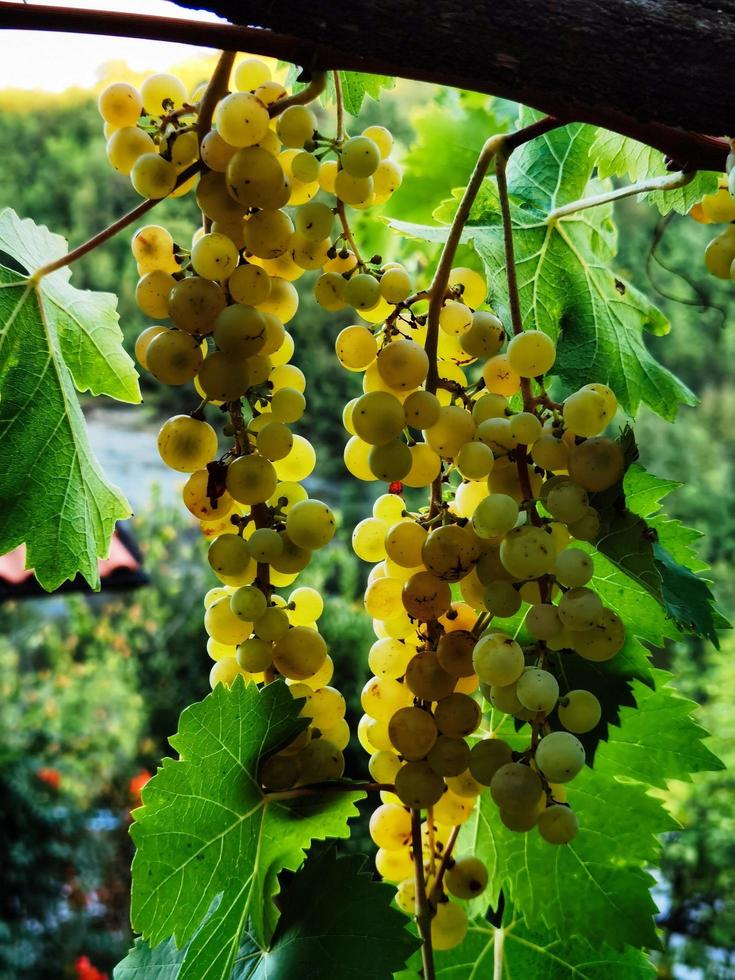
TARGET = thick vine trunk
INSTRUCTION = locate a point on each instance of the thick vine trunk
(656, 70)
(665, 61)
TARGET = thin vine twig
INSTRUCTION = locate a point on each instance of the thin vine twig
(423, 908)
(668, 182)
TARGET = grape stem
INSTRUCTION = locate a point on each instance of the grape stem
(335, 787)
(668, 182)
(307, 94)
(341, 212)
(424, 913)
(216, 89)
(500, 143)
(107, 233)
(436, 891)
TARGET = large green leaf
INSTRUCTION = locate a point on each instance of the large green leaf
(515, 952)
(620, 156)
(206, 829)
(335, 921)
(597, 887)
(566, 285)
(53, 338)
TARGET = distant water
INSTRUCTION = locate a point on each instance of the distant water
(124, 442)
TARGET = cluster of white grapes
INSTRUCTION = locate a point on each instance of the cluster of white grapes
(719, 208)
(264, 187)
(509, 497)
(461, 413)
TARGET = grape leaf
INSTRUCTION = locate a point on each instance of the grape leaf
(356, 85)
(207, 829)
(651, 548)
(618, 156)
(53, 338)
(532, 953)
(566, 286)
(334, 921)
(449, 136)
(660, 740)
(596, 886)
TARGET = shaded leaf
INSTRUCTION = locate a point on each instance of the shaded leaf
(206, 829)
(335, 921)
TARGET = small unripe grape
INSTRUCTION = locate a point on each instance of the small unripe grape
(560, 756)
(362, 291)
(527, 552)
(495, 516)
(543, 621)
(229, 555)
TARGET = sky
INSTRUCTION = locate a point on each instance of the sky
(53, 62)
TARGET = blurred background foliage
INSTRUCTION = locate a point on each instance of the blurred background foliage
(91, 687)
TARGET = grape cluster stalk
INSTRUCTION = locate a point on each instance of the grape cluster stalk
(481, 578)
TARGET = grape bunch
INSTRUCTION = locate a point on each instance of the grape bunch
(510, 474)
(224, 302)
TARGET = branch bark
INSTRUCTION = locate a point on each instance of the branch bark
(649, 69)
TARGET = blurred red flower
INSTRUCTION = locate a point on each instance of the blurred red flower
(52, 777)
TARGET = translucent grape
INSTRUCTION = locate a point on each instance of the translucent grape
(579, 711)
(454, 427)
(296, 125)
(560, 756)
(516, 785)
(403, 365)
(558, 824)
(390, 827)
(382, 697)
(586, 412)
(498, 660)
(229, 555)
(455, 653)
(126, 146)
(531, 353)
(425, 597)
(300, 653)
(152, 176)
(527, 552)
(596, 464)
(173, 357)
(457, 715)
(495, 516)
(427, 679)
(187, 444)
(603, 640)
(580, 609)
(467, 878)
(537, 690)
